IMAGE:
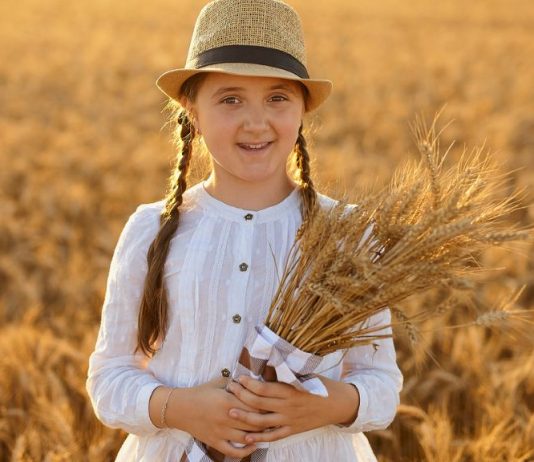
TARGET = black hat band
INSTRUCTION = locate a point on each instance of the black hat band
(251, 54)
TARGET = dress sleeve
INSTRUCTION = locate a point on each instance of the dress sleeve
(118, 382)
(373, 370)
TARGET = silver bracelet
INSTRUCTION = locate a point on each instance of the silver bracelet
(164, 409)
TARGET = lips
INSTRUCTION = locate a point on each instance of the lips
(254, 146)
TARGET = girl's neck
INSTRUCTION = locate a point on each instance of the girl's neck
(247, 195)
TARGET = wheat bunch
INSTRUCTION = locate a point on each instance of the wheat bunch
(423, 231)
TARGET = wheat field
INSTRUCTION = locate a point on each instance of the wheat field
(83, 142)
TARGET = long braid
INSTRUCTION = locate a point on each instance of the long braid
(153, 312)
(307, 191)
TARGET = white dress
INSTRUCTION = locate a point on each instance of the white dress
(221, 276)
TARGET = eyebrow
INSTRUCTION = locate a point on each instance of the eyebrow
(277, 86)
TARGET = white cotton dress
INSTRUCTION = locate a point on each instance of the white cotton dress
(221, 274)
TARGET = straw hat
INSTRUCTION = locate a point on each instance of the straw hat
(247, 37)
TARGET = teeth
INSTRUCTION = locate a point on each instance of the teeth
(255, 146)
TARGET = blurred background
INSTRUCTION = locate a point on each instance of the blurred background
(83, 142)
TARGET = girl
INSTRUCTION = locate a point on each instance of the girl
(191, 274)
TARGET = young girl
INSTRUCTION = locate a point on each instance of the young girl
(193, 273)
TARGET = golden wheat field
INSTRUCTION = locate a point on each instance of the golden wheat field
(83, 143)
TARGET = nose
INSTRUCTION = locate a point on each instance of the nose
(255, 118)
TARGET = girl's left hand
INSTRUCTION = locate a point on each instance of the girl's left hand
(289, 411)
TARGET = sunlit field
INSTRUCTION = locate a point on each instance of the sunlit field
(83, 142)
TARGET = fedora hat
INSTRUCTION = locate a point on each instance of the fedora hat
(260, 38)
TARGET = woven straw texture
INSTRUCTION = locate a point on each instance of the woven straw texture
(266, 23)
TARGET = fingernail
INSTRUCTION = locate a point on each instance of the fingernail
(233, 413)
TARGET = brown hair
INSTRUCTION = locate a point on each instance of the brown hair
(153, 312)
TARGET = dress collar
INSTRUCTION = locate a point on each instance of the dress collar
(288, 205)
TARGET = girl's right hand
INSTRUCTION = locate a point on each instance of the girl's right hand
(202, 411)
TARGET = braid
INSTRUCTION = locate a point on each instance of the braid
(153, 313)
(177, 183)
(307, 191)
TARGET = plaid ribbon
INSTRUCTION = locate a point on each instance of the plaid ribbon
(268, 357)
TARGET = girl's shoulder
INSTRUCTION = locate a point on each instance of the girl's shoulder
(141, 228)
(146, 217)
(150, 213)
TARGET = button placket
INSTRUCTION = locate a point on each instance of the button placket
(244, 262)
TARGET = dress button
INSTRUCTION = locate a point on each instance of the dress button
(243, 266)
(249, 216)
(236, 318)
(225, 372)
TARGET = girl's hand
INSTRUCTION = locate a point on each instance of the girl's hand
(203, 412)
(290, 410)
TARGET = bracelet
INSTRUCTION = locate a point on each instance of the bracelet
(164, 409)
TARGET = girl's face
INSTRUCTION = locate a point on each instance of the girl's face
(249, 124)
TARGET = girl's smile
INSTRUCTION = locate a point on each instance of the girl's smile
(259, 147)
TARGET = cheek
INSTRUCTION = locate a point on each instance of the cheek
(293, 119)
(216, 129)
(290, 128)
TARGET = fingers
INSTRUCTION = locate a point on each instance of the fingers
(235, 435)
(228, 449)
(267, 389)
(270, 435)
(242, 410)
(234, 401)
(253, 400)
(258, 421)
(246, 427)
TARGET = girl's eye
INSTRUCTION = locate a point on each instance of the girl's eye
(277, 98)
(230, 100)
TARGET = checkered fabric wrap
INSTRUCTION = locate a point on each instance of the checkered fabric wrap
(268, 357)
(197, 451)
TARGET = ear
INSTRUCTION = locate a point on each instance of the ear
(191, 112)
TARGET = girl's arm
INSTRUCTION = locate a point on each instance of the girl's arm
(118, 383)
(374, 372)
